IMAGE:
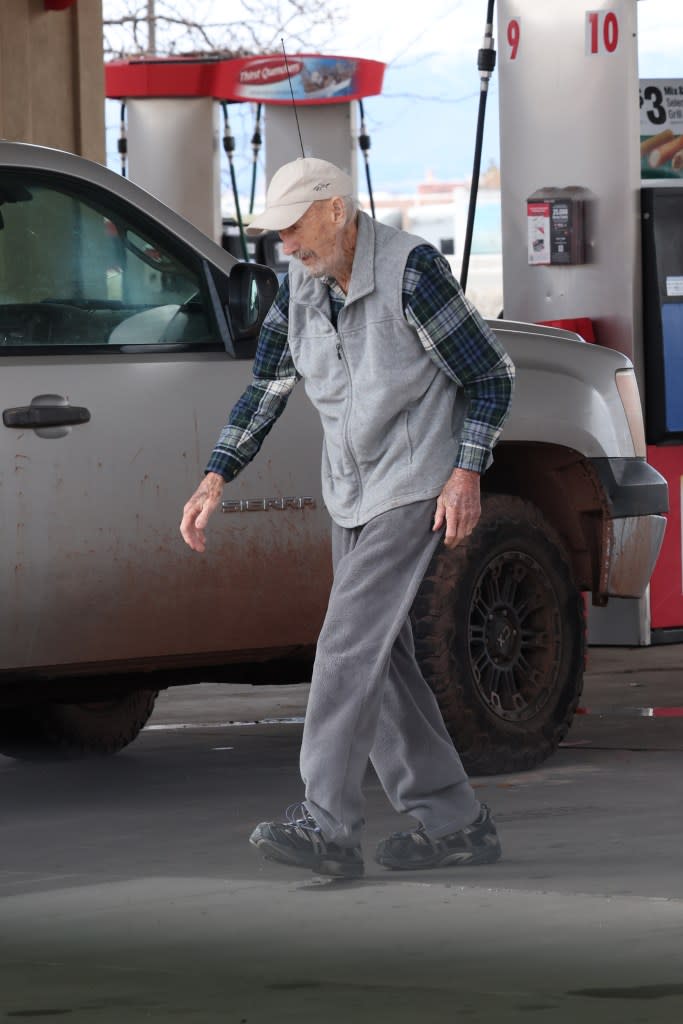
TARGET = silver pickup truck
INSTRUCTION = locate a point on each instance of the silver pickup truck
(125, 337)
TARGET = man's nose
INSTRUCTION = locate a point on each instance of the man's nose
(288, 243)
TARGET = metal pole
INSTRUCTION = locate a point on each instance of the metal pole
(229, 147)
(255, 147)
(151, 28)
(364, 143)
(486, 63)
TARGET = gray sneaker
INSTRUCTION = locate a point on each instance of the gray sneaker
(477, 843)
(298, 841)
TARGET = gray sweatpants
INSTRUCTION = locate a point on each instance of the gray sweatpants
(368, 698)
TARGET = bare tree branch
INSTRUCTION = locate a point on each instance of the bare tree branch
(185, 27)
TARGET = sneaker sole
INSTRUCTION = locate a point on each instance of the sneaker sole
(333, 868)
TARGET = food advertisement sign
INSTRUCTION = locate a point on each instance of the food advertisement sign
(307, 77)
(538, 233)
(661, 128)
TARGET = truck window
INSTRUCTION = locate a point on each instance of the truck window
(74, 271)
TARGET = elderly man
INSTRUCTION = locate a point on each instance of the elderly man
(412, 389)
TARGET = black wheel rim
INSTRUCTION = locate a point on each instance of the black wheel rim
(515, 633)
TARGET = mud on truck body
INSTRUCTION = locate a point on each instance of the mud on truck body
(125, 337)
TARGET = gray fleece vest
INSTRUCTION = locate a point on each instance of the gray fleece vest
(390, 416)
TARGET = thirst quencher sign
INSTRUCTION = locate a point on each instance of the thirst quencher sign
(311, 78)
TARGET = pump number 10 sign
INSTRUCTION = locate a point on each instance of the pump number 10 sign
(602, 34)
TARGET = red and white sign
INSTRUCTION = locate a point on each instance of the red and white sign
(264, 70)
(309, 77)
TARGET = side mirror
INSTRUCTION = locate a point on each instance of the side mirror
(251, 290)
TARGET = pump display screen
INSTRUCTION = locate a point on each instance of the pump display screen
(662, 213)
(672, 342)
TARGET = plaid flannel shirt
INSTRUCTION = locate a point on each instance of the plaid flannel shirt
(452, 332)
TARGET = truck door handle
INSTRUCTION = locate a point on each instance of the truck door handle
(45, 411)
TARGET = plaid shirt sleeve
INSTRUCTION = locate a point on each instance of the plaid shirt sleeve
(253, 415)
(458, 340)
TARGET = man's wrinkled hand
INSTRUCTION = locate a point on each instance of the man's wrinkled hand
(198, 510)
(458, 506)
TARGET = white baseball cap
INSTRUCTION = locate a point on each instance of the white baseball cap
(294, 187)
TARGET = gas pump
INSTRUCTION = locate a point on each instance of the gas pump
(592, 226)
(175, 107)
(661, 155)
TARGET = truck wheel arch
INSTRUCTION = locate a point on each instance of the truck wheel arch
(563, 485)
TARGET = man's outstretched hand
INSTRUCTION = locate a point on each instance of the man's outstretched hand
(458, 506)
(199, 508)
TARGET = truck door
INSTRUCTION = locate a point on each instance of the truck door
(114, 384)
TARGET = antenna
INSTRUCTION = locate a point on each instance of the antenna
(296, 112)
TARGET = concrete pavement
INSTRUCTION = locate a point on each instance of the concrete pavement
(129, 893)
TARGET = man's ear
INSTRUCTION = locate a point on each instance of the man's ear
(338, 209)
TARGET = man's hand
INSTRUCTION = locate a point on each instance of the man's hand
(197, 510)
(458, 506)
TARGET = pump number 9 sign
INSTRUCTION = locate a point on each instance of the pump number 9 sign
(514, 32)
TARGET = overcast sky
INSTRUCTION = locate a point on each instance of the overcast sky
(383, 29)
(431, 87)
(425, 118)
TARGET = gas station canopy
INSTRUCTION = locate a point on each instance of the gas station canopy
(310, 78)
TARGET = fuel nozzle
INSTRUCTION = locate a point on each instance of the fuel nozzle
(256, 140)
(486, 58)
(364, 144)
(122, 143)
(364, 139)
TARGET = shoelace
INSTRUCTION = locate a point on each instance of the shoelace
(297, 814)
(415, 834)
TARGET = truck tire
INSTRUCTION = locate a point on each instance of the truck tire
(499, 630)
(68, 731)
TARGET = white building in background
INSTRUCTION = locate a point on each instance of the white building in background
(438, 212)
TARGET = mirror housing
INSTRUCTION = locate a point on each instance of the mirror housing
(251, 290)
